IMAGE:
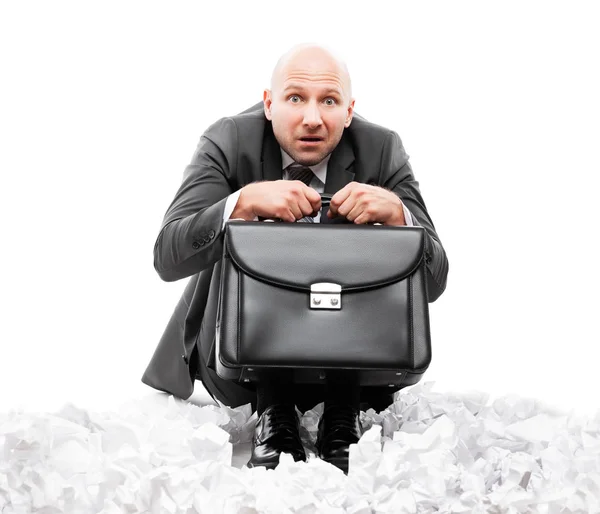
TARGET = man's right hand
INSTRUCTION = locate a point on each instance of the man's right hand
(288, 200)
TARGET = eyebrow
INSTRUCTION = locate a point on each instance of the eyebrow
(299, 87)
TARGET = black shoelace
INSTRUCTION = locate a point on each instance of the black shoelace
(340, 417)
(284, 418)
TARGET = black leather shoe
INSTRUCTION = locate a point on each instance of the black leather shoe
(339, 427)
(277, 430)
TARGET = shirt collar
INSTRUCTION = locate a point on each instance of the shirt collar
(320, 169)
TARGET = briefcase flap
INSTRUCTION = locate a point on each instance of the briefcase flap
(296, 255)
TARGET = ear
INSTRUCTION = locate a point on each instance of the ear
(267, 100)
(349, 114)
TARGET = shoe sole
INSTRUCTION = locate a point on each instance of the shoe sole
(338, 463)
(270, 465)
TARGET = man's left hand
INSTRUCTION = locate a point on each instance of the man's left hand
(363, 203)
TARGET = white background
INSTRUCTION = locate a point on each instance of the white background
(102, 105)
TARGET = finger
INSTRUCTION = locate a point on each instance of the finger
(288, 209)
(339, 198)
(362, 218)
(305, 206)
(313, 198)
(288, 215)
(295, 208)
(347, 205)
(370, 211)
(355, 212)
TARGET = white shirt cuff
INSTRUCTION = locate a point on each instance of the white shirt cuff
(230, 204)
(407, 216)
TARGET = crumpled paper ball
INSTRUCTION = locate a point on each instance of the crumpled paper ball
(428, 452)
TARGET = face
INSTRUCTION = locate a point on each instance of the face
(309, 106)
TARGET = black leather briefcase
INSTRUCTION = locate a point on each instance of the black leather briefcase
(319, 297)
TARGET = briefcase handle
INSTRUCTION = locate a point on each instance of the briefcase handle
(325, 199)
(325, 202)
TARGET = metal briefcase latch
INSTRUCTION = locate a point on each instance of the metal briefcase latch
(325, 295)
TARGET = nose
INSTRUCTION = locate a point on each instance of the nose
(312, 115)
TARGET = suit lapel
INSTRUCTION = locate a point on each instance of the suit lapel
(271, 156)
(339, 174)
(339, 167)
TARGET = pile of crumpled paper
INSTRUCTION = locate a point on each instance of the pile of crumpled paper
(429, 452)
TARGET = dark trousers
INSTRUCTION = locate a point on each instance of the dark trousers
(306, 396)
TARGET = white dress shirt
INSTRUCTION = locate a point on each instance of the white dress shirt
(317, 183)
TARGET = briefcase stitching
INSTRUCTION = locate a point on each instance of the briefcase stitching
(239, 313)
(411, 317)
(302, 288)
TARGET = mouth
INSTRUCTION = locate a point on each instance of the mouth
(311, 140)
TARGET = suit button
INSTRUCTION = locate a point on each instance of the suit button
(206, 239)
(195, 245)
(185, 359)
(211, 234)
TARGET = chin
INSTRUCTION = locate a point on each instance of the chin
(308, 159)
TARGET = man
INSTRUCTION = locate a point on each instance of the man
(272, 161)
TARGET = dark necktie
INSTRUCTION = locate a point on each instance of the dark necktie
(301, 173)
(304, 174)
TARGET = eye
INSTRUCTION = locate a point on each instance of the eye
(294, 99)
(330, 101)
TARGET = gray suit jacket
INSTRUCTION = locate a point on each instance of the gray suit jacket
(233, 152)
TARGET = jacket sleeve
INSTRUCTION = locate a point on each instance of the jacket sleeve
(401, 180)
(191, 235)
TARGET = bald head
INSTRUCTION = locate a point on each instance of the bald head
(313, 60)
(310, 102)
